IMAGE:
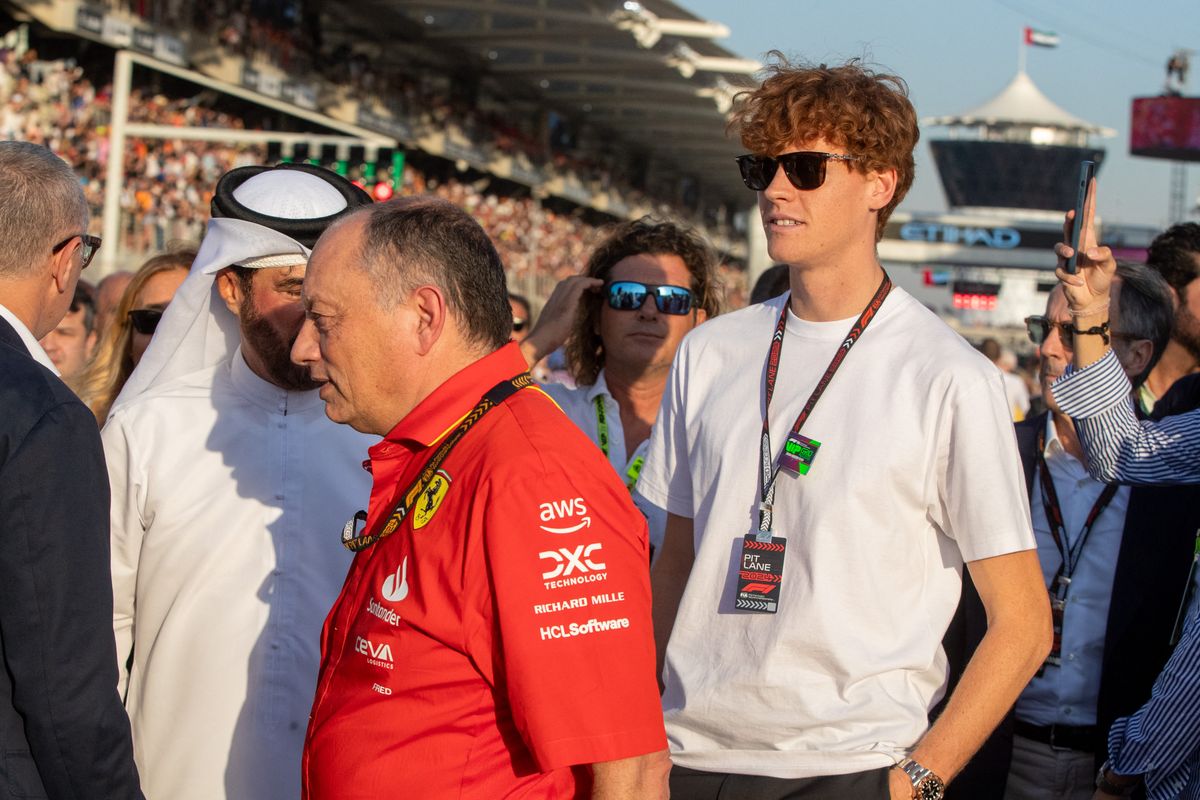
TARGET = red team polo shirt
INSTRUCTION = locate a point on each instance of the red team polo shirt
(502, 634)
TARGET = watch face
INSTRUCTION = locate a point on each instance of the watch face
(931, 788)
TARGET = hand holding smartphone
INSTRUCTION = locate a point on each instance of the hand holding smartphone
(1084, 199)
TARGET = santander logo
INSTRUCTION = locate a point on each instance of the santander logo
(395, 586)
(564, 510)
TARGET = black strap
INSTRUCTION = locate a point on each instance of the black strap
(494, 397)
(1070, 552)
(770, 466)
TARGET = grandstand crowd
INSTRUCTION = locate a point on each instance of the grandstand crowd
(164, 199)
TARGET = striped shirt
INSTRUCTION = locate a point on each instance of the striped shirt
(1161, 741)
(1119, 448)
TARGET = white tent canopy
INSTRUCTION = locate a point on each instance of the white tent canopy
(1022, 103)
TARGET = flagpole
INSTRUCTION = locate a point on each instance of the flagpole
(1021, 49)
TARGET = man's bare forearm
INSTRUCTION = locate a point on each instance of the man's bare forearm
(1016, 643)
(638, 778)
(668, 579)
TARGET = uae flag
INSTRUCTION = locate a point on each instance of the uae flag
(1041, 38)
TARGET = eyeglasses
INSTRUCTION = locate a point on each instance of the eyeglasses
(519, 324)
(805, 170)
(630, 295)
(145, 320)
(88, 243)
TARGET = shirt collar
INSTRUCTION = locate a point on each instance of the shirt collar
(30, 341)
(264, 394)
(1054, 446)
(457, 395)
(599, 388)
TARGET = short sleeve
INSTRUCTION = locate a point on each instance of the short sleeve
(570, 600)
(981, 498)
(666, 478)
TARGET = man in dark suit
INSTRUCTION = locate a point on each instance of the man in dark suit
(1127, 572)
(63, 731)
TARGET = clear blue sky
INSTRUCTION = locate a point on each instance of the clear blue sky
(956, 55)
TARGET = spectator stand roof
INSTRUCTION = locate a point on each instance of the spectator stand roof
(633, 77)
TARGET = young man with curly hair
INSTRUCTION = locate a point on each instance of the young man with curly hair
(829, 460)
(645, 287)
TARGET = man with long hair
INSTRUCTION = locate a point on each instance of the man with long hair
(645, 287)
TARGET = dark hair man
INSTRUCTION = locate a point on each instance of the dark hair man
(1175, 254)
(73, 340)
(644, 288)
(229, 485)
(805, 584)
(771, 283)
(493, 635)
(62, 729)
(1116, 560)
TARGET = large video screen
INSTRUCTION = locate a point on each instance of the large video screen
(1165, 127)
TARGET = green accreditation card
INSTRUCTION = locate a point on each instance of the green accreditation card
(798, 454)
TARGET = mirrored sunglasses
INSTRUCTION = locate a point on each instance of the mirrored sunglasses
(145, 320)
(630, 295)
(805, 170)
(1038, 327)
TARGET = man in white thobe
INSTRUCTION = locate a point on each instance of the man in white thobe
(229, 491)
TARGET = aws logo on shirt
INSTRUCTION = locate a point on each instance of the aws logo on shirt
(573, 509)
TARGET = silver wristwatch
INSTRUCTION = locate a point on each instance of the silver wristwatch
(926, 785)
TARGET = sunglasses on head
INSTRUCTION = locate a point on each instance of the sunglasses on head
(805, 170)
(88, 244)
(145, 320)
(630, 295)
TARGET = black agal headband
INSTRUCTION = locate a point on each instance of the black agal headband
(304, 231)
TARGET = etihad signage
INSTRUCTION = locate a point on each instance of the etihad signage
(999, 238)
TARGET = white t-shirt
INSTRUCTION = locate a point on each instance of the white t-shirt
(579, 404)
(917, 471)
(228, 500)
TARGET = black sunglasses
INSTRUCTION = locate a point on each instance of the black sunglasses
(145, 320)
(88, 243)
(519, 324)
(630, 295)
(805, 170)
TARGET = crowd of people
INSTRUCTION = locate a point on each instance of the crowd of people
(288, 37)
(164, 201)
(799, 549)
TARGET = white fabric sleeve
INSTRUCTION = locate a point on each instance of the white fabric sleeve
(666, 477)
(982, 503)
(127, 530)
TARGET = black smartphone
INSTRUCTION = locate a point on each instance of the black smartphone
(1083, 201)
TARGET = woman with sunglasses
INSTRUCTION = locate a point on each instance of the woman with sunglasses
(127, 338)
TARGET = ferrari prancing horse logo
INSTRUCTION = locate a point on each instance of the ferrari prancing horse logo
(430, 499)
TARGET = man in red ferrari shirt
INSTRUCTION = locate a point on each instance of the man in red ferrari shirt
(493, 636)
